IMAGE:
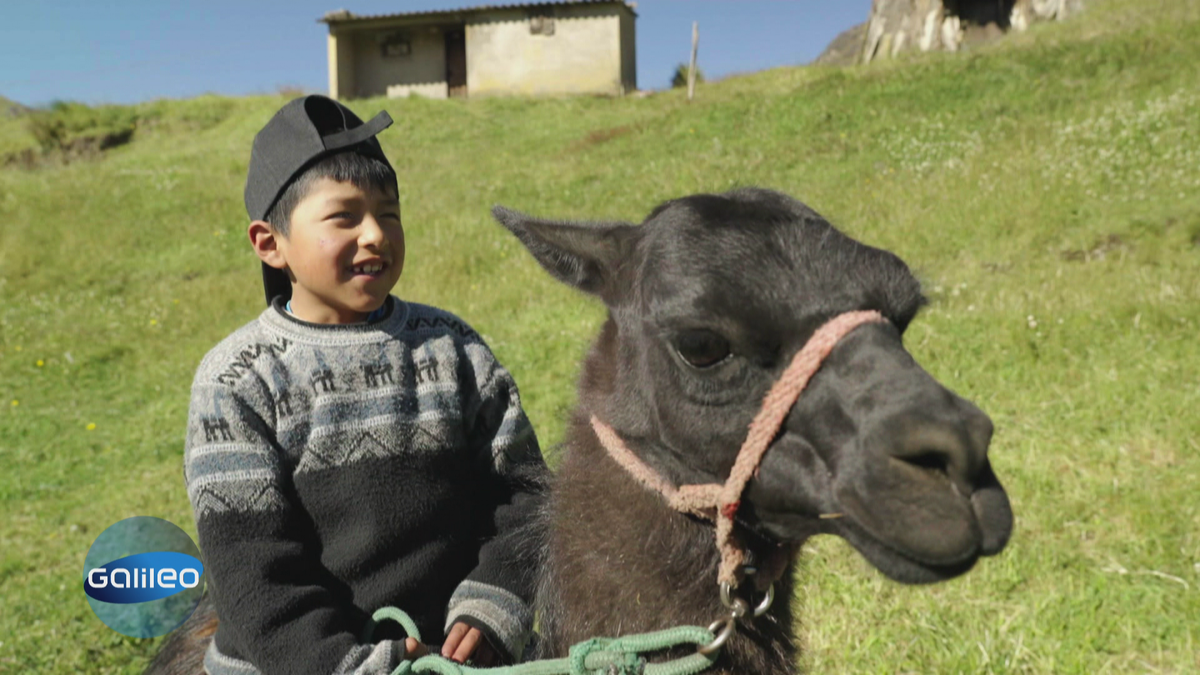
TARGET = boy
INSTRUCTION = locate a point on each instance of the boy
(347, 450)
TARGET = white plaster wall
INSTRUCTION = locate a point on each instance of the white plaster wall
(341, 65)
(427, 90)
(583, 56)
(422, 70)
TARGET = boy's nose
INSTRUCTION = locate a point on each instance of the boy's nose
(371, 232)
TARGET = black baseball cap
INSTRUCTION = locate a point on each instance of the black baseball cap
(303, 132)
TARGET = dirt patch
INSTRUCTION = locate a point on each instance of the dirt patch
(1147, 452)
(25, 159)
(1099, 250)
(600, 136)
(67, 151)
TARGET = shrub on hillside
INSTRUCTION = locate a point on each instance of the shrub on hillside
(72, 128)
(679, 79)
(194, 114)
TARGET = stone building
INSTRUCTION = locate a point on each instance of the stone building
(570, 47)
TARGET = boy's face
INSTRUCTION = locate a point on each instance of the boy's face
(344, 251)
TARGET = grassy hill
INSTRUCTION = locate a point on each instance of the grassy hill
(10, 108)
(1046, 189)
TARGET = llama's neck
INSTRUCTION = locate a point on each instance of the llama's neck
(620, 561)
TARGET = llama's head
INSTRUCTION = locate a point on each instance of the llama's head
(708, 301)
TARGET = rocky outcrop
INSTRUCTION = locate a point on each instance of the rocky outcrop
(896, 26)
(846, 49)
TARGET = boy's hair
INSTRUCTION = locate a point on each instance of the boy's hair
(362, 171)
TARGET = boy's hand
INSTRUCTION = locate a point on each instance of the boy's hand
(413, 649)
(464, 642)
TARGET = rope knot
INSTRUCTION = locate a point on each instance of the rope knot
(730, 510)
(610, 658)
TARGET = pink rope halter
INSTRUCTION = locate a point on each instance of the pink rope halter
(719, 502)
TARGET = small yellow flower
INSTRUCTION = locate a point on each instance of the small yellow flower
(153, 322)
(40, 363)
(18, 347)
(91, 426)
(175, 301)
(15, 403)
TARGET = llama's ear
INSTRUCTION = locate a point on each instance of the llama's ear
(583, 254)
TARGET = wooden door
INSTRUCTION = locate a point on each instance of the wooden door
(456, 62)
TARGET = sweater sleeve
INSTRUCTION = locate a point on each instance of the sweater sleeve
(271, 593)
(496, 596)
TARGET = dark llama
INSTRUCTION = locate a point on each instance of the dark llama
(709, 300)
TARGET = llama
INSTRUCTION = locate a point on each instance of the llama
(708, 301)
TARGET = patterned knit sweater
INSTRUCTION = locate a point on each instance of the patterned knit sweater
(334, 470)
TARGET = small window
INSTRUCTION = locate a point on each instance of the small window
(541, 22)
(395, 46)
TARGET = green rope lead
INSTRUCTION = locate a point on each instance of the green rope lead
(598, 656)
(395, 614)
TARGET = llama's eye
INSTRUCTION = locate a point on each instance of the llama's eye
(702, 348)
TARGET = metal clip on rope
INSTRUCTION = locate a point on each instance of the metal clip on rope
(738, 609)
(729, 601)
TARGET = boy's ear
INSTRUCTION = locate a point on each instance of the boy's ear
(584, 255)
(266, 244)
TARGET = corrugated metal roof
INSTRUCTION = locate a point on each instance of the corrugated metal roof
(345, 16)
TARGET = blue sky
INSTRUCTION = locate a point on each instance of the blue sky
(135, 50)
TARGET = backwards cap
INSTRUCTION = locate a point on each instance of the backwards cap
(304, 131)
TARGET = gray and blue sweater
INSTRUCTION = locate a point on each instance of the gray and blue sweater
(334, 470)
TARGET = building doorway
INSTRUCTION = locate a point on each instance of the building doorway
(456, 62)
(982, 12)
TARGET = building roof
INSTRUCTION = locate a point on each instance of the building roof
(341, 16)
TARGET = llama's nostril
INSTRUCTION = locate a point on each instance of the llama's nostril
(939, 450)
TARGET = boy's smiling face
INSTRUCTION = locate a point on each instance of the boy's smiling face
(344, 251)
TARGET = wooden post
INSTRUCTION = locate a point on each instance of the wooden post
(692, 65)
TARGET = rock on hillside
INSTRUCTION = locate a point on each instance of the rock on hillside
(896, 26)
(846, 49)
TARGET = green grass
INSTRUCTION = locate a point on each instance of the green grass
(1046, 189)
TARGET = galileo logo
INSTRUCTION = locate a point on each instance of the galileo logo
(133, 578)
(143, 576)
